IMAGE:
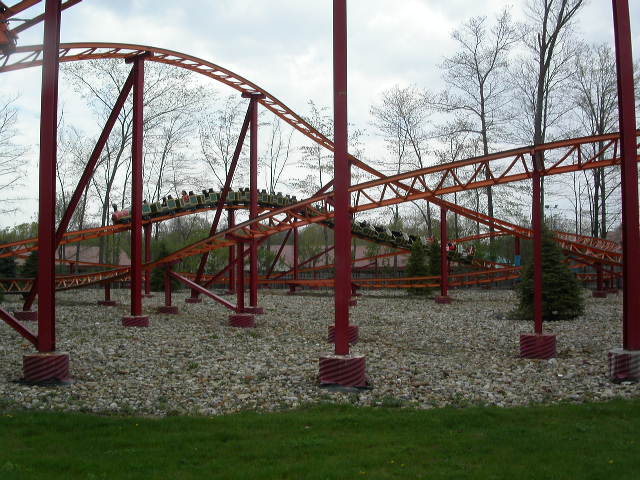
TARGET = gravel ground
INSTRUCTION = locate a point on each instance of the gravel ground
(418, 354)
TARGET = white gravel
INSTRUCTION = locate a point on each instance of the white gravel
(418, 354)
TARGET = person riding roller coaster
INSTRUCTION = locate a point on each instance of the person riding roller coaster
(8, 39)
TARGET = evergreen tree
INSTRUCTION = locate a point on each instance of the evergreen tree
(433, 251)
(7, 267)
(417, 267)
(29, 268)
(561, 294)
(157, 274)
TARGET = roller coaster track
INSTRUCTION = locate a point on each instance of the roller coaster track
(427, 183)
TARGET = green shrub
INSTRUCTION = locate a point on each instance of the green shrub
(561, 293)
(417, 267)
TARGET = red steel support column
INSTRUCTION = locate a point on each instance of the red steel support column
(232, 254)
(147, 259)
(625, 363)
(167, 307)
(47, 196)
(537, 345)
(444, 260)
(341, 368)
(47, 365)
(241, 318)
(292, 288)
(107, 302)
(517, 260)
(253, 204)
(600, 291)
(136, 319)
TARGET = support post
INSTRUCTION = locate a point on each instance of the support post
(600, 291)
(292, 287)
(136, 319)
(47, 364)
(253, 204)
(537, 345)
(444, 298)
(167, 308)
(624, 363)
(147, 259)
(107, 302)
(241, 318)
(517, 257)
(341, 368)
(232, 255)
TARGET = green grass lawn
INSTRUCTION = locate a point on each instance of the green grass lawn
(593, 441)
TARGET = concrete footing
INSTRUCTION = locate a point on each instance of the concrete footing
(171, 309)
(353, 334)
(242, 320)
(193, 300)
(343, 370)
(135, 321)
(26, 315)
(624, 365)
(537, 346)
(46, 367)
(253, 310)
(107, 303)
(443, 299)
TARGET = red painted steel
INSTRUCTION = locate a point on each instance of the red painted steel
(223, 194)
(107, 302)
(18, 327)
(202, 290)
(538, 346)
(47, 196)
(253, 193)
(35, 20)
(240, 278)
(341, 179)
(136, 186)
(147, 258)
(167, 308)
(536, 220)
(629, 172)
(296, 251)
(232, 255)
(353, 334)
(444, 260)
(280, 250)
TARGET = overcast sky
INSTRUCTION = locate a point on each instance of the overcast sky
(284, 46)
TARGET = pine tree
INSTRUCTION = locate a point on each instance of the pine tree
(7, 267)
(561, 293)
(157, 274)
(29, 268)
(417, 267)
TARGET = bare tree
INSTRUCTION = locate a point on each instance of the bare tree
(11, 155)
(277, 153)
(219, 133)
(476, 76)
(596, 99)
(550, 53)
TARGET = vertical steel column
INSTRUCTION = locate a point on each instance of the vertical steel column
(536, 220)
(444, 260)
(253, 201)
(517, 257)
(629, 173)
(240, 278)
(292, 288)
(232, 255)
(342, 180)
(136, 319)
(147, 258)
(47, 180)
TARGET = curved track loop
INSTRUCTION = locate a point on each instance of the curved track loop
(31, 56)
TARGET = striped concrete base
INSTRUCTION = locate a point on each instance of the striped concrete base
(624, 365)
(443, 299)
(171, 310)
(26, 315)
(343, 370)
(353, 334)
(242, 320)
(46, 367)
(254, 310)
(193, 300)
(107, 303)
(537, 346)
(135, 321)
